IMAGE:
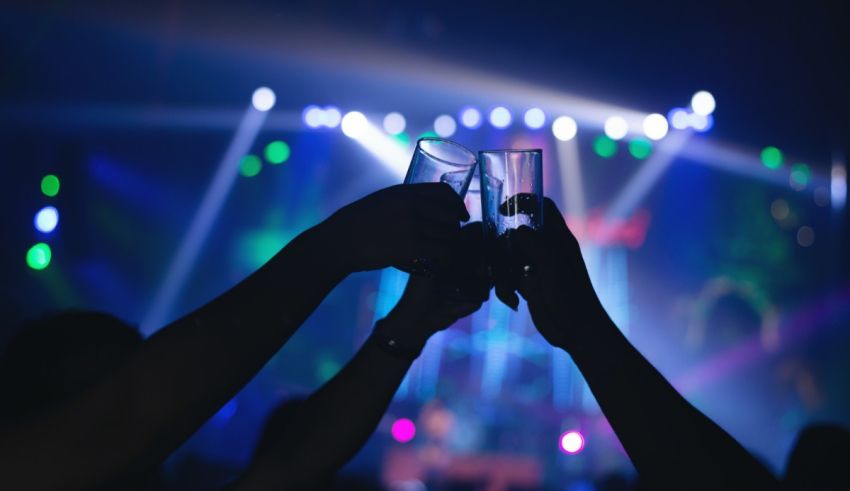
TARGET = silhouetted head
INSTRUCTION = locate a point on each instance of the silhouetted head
(819, 460)
(58, 357)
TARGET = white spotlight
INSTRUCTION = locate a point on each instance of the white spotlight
(500, 117)
(703, 103)
(313, 116)
(616, 127)
(46, 219)
(354, 124)
(679, 118)
(394, 123)
(471, 118)
(535, 118)
(445, 125)
(655, 126)
(564, 128)
(332, 117)
(263, 99)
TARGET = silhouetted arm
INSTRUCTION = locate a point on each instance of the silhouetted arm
(186, 371)
(671, 443)
(312, 440)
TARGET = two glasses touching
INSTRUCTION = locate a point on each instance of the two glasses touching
(502, 190)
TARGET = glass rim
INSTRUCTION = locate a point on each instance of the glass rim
(450, 142)
(512, 150)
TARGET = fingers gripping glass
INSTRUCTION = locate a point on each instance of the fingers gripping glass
(511, 197)
(438, 160)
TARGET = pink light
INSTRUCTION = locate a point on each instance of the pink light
(571, 442)
(403, 430)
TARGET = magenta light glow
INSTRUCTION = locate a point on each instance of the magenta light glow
(403, 430)
(571, 442)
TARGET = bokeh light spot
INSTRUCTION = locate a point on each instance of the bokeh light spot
(571, 442)
(771, 157)
(277, 152)
(50, 185)
(250, 165)
(403, 430)
(640, 148)
(38, 256)
(46, 219)
(604, 146)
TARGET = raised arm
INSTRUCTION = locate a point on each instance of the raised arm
(310, 440)
(187, 370)
(670, 442)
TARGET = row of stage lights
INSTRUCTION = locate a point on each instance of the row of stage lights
(654, 126)
(45, 221)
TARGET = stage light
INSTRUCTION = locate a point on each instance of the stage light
(616, 127)
(354, 124)
(38, 256)
(250, 165)
(500, 117)
(313, 116)
(263, 99)
(403, 430)
(838, 186)
(535, 118)
(50, 185)
(394, 123)
(800, 176)
(805, 236)
(655, 126)
(779, 209)
(277, 152)
(332, 117)
(703, 103)
(640, 148)
(701, 123)
(46, 219)
(571, 442)
(564, 128)
(445, 125)
(678, 118)
(470, 117)
(771, 157)
(604, 146)
(402, 138)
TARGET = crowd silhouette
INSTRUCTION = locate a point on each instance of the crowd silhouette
(89, 404)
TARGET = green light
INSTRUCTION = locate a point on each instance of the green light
(427, 134)
(250, 165)
(604, 146)
(50, 185)
(38, 256)
(327, 367)
(277, 152)
(402, 138)
(800, 176)
(640, 148)
(771, 157)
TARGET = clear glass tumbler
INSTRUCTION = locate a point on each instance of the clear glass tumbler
(511, 197)
(438, 160)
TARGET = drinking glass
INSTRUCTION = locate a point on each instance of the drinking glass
(438, 160)
(511, 190)
(511, 196)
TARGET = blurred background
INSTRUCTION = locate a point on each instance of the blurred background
(154, 155)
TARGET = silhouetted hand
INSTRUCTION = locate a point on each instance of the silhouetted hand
(431, 304)
(396, 225)
(506, 267)
(560, 297)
